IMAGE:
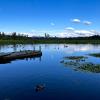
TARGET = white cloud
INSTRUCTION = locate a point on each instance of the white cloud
(87, 22)
(76, 20)
(77, 33)
(96, 32)
(52, 24)
(69, 28)
(67, 32)
(84, 33)
(79, 21)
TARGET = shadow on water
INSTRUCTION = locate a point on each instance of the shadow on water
(10, 60)
(27, 79)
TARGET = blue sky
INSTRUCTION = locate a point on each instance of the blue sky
(47, 15)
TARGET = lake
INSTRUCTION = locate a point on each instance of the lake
(18, 79)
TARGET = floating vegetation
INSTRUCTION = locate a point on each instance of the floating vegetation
(71, 63)
(80, 63)
(95, 55)
(77, 58)
(90, 67)
(62, 61)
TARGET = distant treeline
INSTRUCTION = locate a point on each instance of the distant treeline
(24, 39)
(13, 35)
(75, 40)
(14, 38)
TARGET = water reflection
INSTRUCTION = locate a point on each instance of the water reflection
(26, 59)
(66, 48)
(70, 47)
(15, 53)
(22, 79)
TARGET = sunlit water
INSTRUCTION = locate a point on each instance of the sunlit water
(19, 78)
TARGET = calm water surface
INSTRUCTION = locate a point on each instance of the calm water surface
(19, 78)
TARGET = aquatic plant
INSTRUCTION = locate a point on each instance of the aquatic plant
(62, 61)
(71, 63)
(79, 63)
(95, 54)
(90, 67)
(84, 66)
(77, 58)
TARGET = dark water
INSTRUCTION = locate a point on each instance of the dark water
(18, 79)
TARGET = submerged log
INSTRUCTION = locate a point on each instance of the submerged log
(39, 87)
(4, 54)
(7, 57)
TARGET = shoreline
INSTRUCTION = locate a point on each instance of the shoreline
(48, 41)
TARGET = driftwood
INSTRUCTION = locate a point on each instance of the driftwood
(7, 57)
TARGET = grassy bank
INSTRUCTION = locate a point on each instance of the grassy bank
(47, 41)
(50, 40)
(16, 41)
(68, 41)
